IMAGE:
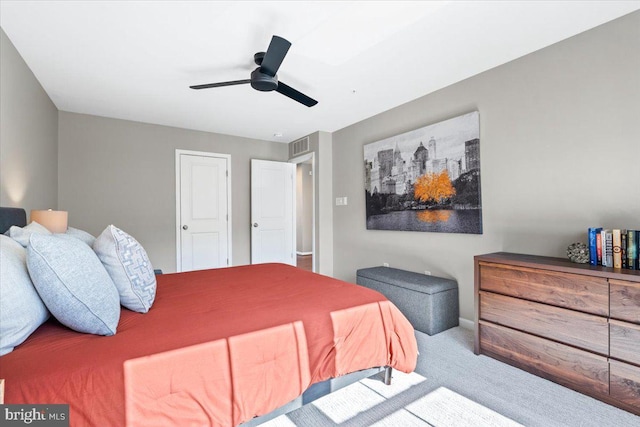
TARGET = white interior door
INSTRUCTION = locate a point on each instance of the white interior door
(273, 233)
(203, 220)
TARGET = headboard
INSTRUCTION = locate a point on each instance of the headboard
(12, 216)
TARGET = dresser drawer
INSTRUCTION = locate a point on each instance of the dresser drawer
(625, 300)
(625, 383)
(577, 292)
(625, 341)
(560, 363)
(578, 329)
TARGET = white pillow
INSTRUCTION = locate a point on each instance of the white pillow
(22, 234)
(80, 234)
(73, 284)
(21, 309)
(129, 267)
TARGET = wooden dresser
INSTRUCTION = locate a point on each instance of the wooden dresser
(575, 324)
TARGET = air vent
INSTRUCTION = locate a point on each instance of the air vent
(300, 146)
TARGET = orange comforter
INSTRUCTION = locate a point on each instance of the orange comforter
(218, 347)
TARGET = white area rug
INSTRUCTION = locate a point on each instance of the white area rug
(439, 408)
(453, 387)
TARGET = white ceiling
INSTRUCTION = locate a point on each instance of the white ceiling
(134, 60)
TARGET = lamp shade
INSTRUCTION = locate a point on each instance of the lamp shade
(54, 221)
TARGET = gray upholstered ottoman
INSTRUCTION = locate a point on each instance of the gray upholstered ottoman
(430, 303)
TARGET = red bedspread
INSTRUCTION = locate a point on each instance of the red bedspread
(218, 347)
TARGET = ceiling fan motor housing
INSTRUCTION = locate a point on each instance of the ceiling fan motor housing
(263, 82)
(258, 57)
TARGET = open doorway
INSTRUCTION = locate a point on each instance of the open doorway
(305, 212)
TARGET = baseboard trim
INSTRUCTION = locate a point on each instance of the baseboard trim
(467, 324)
(303, 253)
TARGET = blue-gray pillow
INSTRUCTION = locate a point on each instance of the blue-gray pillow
(129, 267)
(81, 234)
(73, 284)
(21, 309)
(22, 234)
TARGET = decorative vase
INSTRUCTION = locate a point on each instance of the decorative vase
(578, 253)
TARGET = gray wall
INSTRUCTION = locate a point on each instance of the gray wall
(560, 146)
(123, 173)
(28, 136)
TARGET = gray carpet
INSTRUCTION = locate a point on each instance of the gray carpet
(453, 387)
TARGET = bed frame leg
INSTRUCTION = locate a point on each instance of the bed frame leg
(387, 375)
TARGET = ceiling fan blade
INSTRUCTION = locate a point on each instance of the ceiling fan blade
(295, 95)
(231, 83)
(274, 56)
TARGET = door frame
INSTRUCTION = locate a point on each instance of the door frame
(301, 159)
(227, 157)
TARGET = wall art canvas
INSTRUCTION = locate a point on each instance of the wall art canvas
(427, 179)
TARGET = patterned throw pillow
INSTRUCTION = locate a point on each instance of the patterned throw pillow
(129, 267)
(21, 309)
(73, 284)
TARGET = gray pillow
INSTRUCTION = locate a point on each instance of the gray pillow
(73, 284)
(22, 234)
(80, 234)
(21, 309)
(129, 267)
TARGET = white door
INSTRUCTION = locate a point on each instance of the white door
(203, 220)
(273, 233)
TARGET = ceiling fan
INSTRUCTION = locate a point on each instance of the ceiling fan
(264, 78)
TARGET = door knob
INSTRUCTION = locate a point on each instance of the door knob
(255, 224)
(185, 227)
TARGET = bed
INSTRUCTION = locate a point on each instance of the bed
(218, 347)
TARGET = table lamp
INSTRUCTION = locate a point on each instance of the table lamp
(54, 221)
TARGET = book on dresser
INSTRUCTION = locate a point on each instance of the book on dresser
(607, 248)
(632, 249)
(594, 258)
(575, 324)
(616, 248)
(623, 248)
